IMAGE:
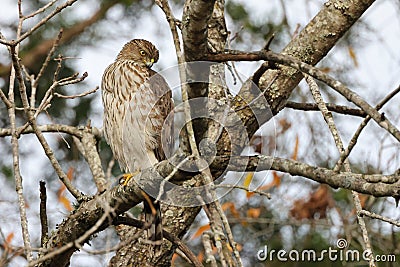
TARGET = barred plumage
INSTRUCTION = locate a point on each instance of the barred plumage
(136, 101)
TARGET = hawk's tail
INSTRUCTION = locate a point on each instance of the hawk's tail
(152, 211)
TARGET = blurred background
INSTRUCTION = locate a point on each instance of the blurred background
(301, 214)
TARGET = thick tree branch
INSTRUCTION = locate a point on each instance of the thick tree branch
(312, 44)
(194, 27)
(122, 198)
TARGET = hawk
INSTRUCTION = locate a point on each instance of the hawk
(137, 101)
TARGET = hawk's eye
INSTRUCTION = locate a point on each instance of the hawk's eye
(142, 52)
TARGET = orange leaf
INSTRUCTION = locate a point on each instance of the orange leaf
(296, 148)
(276, 182)
(232, 208)
(70, 176)
(238, 247)
(325, 69)
(353, 56)
(276, 179)
(201, 230)
(65, 202)
(7, 242)
(9, 237)
(247, 182)
(174, 257)
(200, 256)
(363, 199)
(253, 212)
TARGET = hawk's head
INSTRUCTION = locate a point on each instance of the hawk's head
(141, 51)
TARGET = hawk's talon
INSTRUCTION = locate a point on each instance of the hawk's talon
(126, 177)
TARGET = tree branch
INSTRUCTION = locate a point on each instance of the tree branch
(345, 110)
(373, 184)
(314, 72)
(52, 128)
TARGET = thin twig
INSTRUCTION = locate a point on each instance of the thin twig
(233, 186)
(32, 120)
(339, 144)
(340, 109)
(43, 213)
(15, 153)
(290, 61)
(77, 242)
(47, 98)
(166, 179)
(354, 139)
(40, 10)
(51, 128)
(163, 4)
(379, 217)
(77, 95)
(5, 99)
(39, 24)
(47, 60)
(92, 157)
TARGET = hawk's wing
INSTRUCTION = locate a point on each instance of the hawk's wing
(164, 107)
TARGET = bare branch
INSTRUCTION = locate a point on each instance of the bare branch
(32, 120)
(339, 144)
(40, 10)
(78, 95)
(373, 184)
(345, 110)
(52, 128)
(93, 159)
(15, 156)
(39, 24)
(47, 60)
(43, 213)
(261, 193)
(379, 217)
(5, 99)
(314, 72)
(354, 139)
(76, 243)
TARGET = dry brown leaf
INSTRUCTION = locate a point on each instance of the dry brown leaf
(232, 208)
(7, 242)
(296, 149)
(65, 202)
(201, 230)
(246, 183)
(253, 212)
(318, 202)
(353, 56)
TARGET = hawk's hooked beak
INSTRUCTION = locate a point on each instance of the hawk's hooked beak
(150, 63)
